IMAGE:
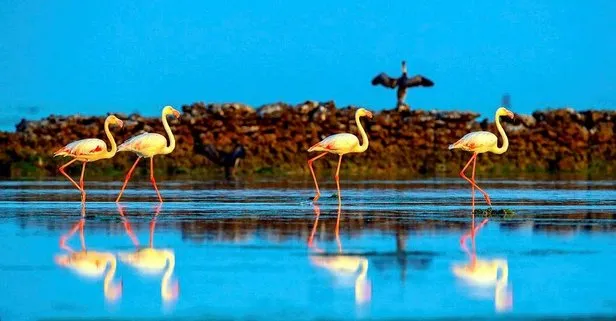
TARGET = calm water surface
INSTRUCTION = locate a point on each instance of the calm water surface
(261, 250)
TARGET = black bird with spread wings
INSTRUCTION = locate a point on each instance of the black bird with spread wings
(403, 83)
(229, 161)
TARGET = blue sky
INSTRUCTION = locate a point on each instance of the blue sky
(66, 57)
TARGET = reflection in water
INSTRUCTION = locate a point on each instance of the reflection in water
(342, 266)
(152, 261)
(481, 274)
(90, 263)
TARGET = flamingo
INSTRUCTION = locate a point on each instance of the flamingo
(342, 266)
(340, 144)
(481, 142)
(150, 260)
(88, 150)
(481, 273)
(147, 145)
(89, 263)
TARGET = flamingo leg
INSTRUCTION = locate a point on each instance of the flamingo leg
(317, 213)
(152, 228)
(160, 199)
(68, 235)
(128, 228)
(131, 234)
(314, 177)
(81, 236)
(472, 233)
(83, 190)
(338, 178)
(473, 192)
(61, 169)
(485, 195)
(338, 226)
(128, 175)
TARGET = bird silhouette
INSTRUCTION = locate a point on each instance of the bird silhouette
(229, 161)
(402, 83)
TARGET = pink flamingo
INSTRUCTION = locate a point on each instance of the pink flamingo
(481, 142)
(147, 145)
(88, 150)
(340, 144)
(90, 263)
(481, 273)
(152, 260)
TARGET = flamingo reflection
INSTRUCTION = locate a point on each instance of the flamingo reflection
(342, 266)
(151, 261)
(481, 273)
(87, 263)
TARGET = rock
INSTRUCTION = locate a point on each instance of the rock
(278, 134)
(271, 110)
(308, 107)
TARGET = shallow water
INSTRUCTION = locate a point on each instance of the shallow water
(257, 251)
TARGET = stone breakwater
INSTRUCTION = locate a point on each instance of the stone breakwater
(276, 137)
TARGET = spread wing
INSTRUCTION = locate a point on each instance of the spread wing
(384, 80)
(224, 159)
(238, 152)
(212, 154)
(418, 80)
(83, 147)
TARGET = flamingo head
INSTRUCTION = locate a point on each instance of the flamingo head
(363, 290)
(115, 291)
(364, 112)
(171, 294)
(168, 110)
(504, 112)
(113, 120)
(62, 260)
(404, 66)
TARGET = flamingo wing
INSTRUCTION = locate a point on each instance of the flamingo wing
(476, 141)
(336, 143)
(144, 143)
(384, 80)
(418, 80)
(83, 147)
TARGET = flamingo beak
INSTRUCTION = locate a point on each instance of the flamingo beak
(61, 260)
(115, 292)
(176, 114)
(120, 123)
(369, 114)
(510, 115)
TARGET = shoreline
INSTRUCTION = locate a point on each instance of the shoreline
(276, 136)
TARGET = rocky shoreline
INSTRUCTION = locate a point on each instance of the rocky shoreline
(276, 137)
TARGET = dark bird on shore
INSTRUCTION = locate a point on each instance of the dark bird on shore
(403, 83)
(229, 161)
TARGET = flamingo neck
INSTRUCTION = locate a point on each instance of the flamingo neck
(505, 146)
(504, 277)
(362, 288)
(165, 291)
(171, 146)
(364, 138)
(114, 147)
(502, 299)
(363, 270)
(109, 276)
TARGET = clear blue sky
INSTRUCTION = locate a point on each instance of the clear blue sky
(97, 56)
